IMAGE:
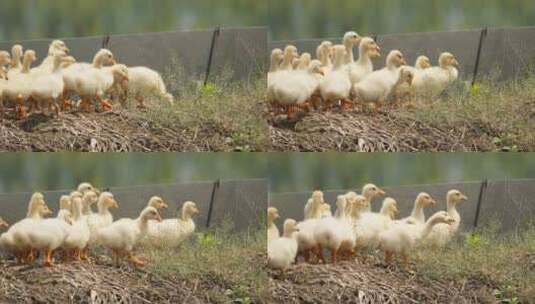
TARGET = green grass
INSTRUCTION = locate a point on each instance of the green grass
(504, 111)
(504, 262)
(224, 107)
(231, 260)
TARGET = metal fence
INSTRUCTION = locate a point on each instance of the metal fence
(509, 51)
(244, 51)
(241, 201)
(199, 53)
(511, 203)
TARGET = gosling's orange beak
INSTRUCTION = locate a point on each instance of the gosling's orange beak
(321, 73)
(433, 202)
(403, 62)
(113, 61)
(164, 206)
(455, 62)
(464, 198)
(47, 211)
(4, 224)
(66, 50)
(69, 221)
(381, 192)
(114, 204)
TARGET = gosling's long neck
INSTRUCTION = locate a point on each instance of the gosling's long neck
(274, 65)
(103, 209)
(143, 224)
(98, 61)
(324, 59)
(77, 209)
(26, 65)
(34, 214)
(349, 58)
(341, 211)
(15, 61)
(287, 234)
(286, 63)
(338, 62)
(368, 198)
(452, 211)
(392, 67)
(186, 216)
(428, 227)
(57, 65)
(418, 212)
(270, 221)
(355, 213)
(364, 57)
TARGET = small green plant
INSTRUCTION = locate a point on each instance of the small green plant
(475, 89)
(207, 239)
(504, 296)
(473, 240)
(209, 90)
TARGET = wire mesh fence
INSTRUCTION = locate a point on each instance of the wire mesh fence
(507, 51)
(200, 53)
(510, 203)
(244, 51)
(243, 202)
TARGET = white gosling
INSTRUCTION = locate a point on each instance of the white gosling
(444, 232)
(417, 215)
(403, 238)
(282, 251)
(272, 230)
(49, 235)
(312, 207)
(122, 236)
(172, 232)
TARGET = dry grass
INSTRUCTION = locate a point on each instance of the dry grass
(480, 267)
(224, 115)
(505, 263)
(502, 111)
(218, 265)
(491, 116)
(231, 108)
(232, 262)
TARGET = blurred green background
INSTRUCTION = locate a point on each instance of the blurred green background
(292, 19)
(287, 19)
(288, 172)
(296, 172)
(23, 172)
(29, 19)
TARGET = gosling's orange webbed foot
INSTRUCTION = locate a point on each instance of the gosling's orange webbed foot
(106, 105)
(66, 105)
(137, 261)
(21, 113)
(347, 104)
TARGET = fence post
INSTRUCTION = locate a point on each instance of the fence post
(217, 184)
(217, 31)
(482, 37)
(105, 41)
(482, 190)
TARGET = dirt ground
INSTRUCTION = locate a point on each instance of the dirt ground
(101, 283)
(366, 132)
(115, 131)
(369, 282)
